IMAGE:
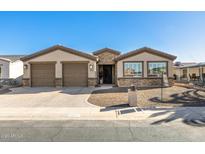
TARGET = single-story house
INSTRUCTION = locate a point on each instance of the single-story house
(11, 68)
(62, 66)
(190, 71)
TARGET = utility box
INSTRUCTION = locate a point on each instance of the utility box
(132, 96)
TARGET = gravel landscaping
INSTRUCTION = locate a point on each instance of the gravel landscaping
(173, 97)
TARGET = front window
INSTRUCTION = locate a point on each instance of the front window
(133, 69)
(156, 68)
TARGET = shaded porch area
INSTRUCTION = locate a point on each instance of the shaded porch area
(106, 74)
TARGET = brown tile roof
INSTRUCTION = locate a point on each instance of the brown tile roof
(145, 49)
(58, 47)
(106, 50)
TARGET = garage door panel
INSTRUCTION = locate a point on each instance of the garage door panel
(43, 74)
(75, 74)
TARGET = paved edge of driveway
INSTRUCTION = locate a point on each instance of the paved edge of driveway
(6, 89)
(96, 89)
(86, 100)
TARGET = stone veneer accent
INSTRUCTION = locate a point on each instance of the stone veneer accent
(92, 81)
(106, 58)
(142, 82)
(58, 82)
(26, 82)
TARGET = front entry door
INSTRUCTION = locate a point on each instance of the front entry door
(107, 74)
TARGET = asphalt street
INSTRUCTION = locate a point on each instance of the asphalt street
(85, 131)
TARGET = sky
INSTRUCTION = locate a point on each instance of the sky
(179, 33)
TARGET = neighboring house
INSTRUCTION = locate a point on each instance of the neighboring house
(62, 66)
(176, 69)
(11, 68)
(189, 71)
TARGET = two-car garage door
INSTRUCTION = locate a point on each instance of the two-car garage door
(43, 74)
(74, 74)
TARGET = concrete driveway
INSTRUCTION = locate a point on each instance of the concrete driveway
(46, 97)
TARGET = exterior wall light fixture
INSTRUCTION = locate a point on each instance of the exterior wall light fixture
(25, 66)
(91, 67)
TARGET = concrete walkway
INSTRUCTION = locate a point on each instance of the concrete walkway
(194, 115)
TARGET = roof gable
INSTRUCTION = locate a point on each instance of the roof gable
(58, 47)
(148, 50)
(106, 50)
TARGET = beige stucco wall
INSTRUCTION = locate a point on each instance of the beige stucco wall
(144, 57)
(59, 56)
(16, 69)
(4, 69)
(178, 72)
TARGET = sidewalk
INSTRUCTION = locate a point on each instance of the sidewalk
(95, 113)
